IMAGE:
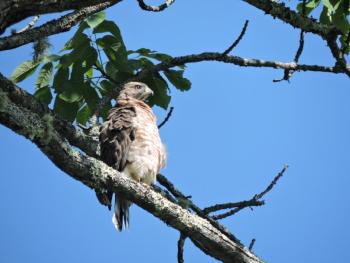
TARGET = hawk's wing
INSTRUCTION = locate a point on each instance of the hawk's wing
(116, 135)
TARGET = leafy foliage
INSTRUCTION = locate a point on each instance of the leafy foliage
(334, 12)
(91, 64)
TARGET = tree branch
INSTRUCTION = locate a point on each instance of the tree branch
(245, 204)
(166, 118)
(30, 25)
(52, 27)
(236, 42)
(155, 8)
(40, 129)
(180, 248)
(215, 56)
(13, 11)
(280, 11)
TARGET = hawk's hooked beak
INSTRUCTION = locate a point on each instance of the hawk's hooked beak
(148, 92)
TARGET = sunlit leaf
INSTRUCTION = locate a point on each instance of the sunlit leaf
(24, 70)
(44, 76)
(96, 19)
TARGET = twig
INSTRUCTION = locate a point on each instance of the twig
(236, 42)
(288, 73)
(30, 25)
(180, 248)
(251, 244)
(256, 197)
(166, 118)
(242, 204)
(155, 8)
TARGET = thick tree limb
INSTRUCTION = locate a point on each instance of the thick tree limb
(40, 129)
(13, 11)
(52, 27)
(75, 136)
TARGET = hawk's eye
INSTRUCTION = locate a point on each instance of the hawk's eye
(138, 86)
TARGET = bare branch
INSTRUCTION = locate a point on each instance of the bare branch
(30, 25)
(166, 118)
(180, 248)
(236, 42)
(256, 197)
(155, 8)
(215, 56)
(52, 27)
(242, 204)
(288, 73)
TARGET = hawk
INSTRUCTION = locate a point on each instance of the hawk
(130, 143)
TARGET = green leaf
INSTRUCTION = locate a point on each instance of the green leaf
(96, 19)
(106, 85)
(24, 70)
(89, 73)
(73, 89)
(309, 6)
(109, 26)
(66, 110)
(84, 114)
(160, 88)
(80, 53)
(177, 79)
(43, 95)
(331, 5)
(60, 79)
(324, 17)
(71, 94)
(78, 38)
(115, 51)
(51, 58)
(90, 95)
(44, 76)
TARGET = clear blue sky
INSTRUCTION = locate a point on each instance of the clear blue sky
(228, 137)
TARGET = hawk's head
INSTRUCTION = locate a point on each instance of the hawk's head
(135, 90)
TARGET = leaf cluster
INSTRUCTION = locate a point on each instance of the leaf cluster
(334, 12)
(91, 64)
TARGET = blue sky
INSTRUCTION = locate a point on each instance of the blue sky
(228, 137)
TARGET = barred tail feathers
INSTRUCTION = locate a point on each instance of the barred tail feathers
(121, 213)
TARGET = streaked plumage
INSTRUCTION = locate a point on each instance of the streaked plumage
(130, 143)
